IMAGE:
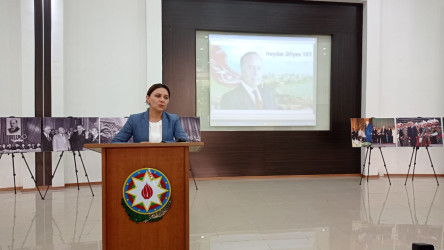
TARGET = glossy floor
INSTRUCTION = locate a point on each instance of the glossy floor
(283, 213)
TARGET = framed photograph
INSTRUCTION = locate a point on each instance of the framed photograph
(419, 132)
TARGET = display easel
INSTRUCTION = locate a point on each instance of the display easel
(14, 174)
(415, 152)
(369, 149)
(192, 175)
(75, 167)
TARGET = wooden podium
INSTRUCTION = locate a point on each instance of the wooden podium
(119, 161)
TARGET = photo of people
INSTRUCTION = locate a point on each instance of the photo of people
(191, 125)
(109, 127)
(361, 132)
(69, 133)
(251, 76)
(384, 133)
(20, 134)
(250, 93)
(419, 132)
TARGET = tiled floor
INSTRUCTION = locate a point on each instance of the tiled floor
(285, 213)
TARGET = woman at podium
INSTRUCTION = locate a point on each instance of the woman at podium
(155, 124)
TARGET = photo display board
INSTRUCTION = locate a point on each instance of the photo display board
(69, 133)
(401, 132)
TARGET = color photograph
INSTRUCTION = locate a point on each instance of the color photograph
(253, 76)
(361, 131)
(384, 133)
(419, 132)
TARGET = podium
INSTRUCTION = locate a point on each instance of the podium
(119, 163)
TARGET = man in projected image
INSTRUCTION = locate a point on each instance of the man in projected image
(249, 94)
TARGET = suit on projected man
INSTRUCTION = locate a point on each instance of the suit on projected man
(249, 95)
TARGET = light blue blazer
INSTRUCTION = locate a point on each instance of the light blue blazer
(137, 127)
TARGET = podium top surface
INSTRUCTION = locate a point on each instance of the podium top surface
(193, 146)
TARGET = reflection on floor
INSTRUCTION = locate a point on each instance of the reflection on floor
(284, 213)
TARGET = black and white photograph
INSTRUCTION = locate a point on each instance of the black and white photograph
(21, 134)
(2, 124)
(361, 129)
(13, 126)
(191, 125)
(384, 133)
(110, 126)
(69, 133)
(419, 132)
(55, 134)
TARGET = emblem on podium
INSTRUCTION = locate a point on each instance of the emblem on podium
(146, 195)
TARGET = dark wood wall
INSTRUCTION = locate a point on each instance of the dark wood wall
(257, 153)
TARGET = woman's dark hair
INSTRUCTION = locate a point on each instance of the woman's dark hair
(156, 86)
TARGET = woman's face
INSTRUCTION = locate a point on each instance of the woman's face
(159, 99)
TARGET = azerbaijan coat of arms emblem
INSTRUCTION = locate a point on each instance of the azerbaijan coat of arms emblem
(146, 195)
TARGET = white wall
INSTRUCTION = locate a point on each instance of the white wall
(16, 79)
(99, 68)
(403, 72)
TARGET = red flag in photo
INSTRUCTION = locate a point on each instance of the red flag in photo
(220, 70)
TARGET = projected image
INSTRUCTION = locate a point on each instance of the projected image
(262, 80)
(109, 127)
(384, 133)
(419, 132)
(20, 134)
(361, 132)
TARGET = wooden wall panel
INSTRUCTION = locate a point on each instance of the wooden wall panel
(256, 153)
(42, 84)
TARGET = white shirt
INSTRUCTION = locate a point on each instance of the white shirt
(155, 131)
